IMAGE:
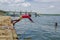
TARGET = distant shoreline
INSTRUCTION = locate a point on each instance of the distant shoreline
(50, 14)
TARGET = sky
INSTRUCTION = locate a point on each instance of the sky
(39, 6)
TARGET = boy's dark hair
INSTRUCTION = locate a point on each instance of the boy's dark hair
(30, 15)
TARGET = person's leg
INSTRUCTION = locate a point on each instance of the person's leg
(15, 21)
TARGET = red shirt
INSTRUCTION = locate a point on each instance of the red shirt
(25, 16)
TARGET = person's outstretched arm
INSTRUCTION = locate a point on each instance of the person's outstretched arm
(30, 19)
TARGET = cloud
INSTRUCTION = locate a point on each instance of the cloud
(26, 4)
(15, 3)
(19, 0)
(11, 1)
(46, 0)
(51, 6)
(2, 1)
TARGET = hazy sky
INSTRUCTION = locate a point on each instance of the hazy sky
(42, 6)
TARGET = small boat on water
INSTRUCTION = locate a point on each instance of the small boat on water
(7, 31)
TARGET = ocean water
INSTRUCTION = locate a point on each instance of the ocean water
(42, 29)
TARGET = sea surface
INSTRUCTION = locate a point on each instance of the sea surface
(43, 28)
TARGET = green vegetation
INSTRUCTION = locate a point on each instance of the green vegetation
(2, 12)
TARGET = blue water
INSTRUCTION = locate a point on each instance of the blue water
(42, 29)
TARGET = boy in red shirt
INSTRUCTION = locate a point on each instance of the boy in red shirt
(21, 17)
